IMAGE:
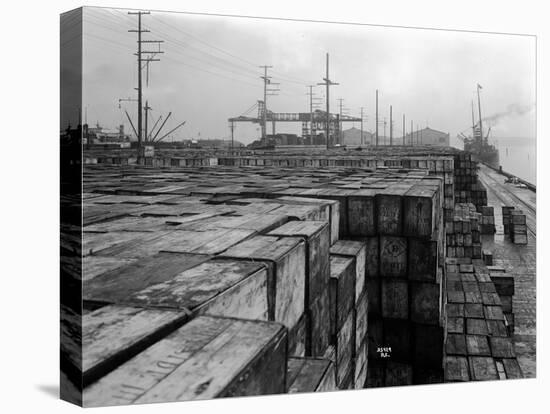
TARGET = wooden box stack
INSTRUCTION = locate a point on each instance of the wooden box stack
(478, 346)
(468, 188)
(507, 217)
(504, 285)
(357, 251)
(518, 227)
(341, 267)
(463, 233)
(487, 220)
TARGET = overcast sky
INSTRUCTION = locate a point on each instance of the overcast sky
(209, 72)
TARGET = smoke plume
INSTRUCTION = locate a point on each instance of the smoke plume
(511, 110)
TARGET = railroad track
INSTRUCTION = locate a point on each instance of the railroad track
(532, 211)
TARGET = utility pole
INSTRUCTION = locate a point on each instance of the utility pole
(403, 129)
(146, 109)
(417, 142)
(232, 128)
(479, 109)
(473, 122)
(412, 140)
(340, 101)
(377, 117)
(140, 61)
(362, 142)
(385, 123)
(327, 82)
(267, 81)
(391, 127)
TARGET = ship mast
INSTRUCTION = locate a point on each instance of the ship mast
(479, 109)
(473, 122)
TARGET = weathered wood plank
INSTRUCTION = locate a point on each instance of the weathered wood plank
(113, 334)
(116, 285)
(216, 287)
(287, 283)
(342, 290)
(356, 250)
(310, 375)
(206, 358)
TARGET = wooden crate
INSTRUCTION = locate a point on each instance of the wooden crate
(316, 235)
(358, 251)
(310, 375)
(424, 303)
(420, 211)
(114, 334)
(342, 290)
(395, 298)
(422, 260)
(116, 285)
(361, 365)
(389, 209)
(393, 256)
(221, 287)
(286, 285)
(206, 358)
(362, 220)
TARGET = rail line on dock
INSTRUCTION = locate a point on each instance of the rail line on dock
(531, 217)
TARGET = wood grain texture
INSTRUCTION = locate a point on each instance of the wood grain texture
(393, 256)
(317, 238)
(113, 334)
(358, 251)
(117, 285)
(206, 358)
(216, 287)
(342, 290)
(310, 375)
(420, 211)
(288, 278)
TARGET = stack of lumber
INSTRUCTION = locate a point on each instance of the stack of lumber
(463, 233)
(487, 225)
(478, 346)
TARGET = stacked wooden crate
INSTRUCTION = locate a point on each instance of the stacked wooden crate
(350, 256)
(468, 188)
(478, 346)
(518, 227)
(346, 262)
(506, 218)
(463, 233)
(487, 225)
(504, 285)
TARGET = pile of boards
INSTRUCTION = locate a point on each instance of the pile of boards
(478, 345)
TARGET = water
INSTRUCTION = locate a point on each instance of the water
(518, 156)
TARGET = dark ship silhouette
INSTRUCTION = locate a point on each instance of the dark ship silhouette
(478, 143)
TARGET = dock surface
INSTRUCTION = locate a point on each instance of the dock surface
(518, 260)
